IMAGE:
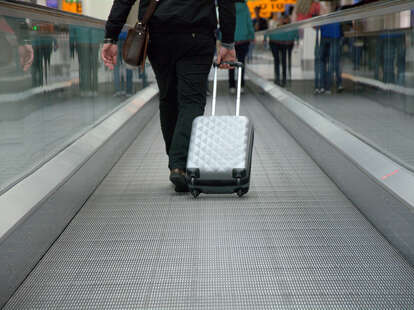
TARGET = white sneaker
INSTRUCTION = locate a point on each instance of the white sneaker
(232, 90)
(316, 91)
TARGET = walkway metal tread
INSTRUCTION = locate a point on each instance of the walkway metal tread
(294, 242)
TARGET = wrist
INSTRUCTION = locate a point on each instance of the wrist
(228, 46)
(110, 41)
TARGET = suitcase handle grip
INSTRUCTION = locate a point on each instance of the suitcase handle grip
(239, 66)
(230, 63)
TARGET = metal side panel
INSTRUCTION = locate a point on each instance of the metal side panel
(382, 189)
(35, 211)
(293, 242)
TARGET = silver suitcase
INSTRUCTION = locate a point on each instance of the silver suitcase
(220, 152)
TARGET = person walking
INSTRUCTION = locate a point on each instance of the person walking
(330, 57)
(280, 42)
(244, 34)
(181, 51)
(306, 9)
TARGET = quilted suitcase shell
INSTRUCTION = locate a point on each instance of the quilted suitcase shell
(220, 154)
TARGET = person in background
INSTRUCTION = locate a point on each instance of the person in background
(123, 85)
(259, 23)
(330, 62)
(86, 41)
(306, 9)
(391, 57)
(289, 11)
(279, 45)
(274, 20)
(242, 37)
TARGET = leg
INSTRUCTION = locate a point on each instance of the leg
(389, 58)
(284, 49)
(275, 52)
(338, 71)
(326, 69)
(192, 68)
(192, 74)
(165, 74)
(94, 56)
(241, 52)
(129, 81)
(117, 80)
(401, 59)
(379, 56)
(290, 51)
(318, 65)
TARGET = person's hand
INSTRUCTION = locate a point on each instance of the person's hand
(226, 55)
(26, 55)
(109, 54)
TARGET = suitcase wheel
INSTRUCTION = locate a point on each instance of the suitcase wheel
(195, 193)
(241, 192)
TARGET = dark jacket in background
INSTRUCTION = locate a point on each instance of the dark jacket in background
(177, 16)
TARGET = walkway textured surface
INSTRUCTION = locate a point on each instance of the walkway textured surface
(294, 242)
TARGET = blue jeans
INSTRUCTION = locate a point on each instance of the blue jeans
(356, 55)
(317, 65)
(121, 82)
(330, 64)
(391, 56)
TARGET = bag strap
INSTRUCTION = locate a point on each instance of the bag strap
(150, 11)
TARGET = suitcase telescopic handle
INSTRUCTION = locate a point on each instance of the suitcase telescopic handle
(230, 63)
(239, 67)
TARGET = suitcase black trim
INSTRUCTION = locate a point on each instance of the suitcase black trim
(240, 181)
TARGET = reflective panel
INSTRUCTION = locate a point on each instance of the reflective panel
(358, 72)
(53, 87)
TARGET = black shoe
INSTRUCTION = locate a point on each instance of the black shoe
(179, 179)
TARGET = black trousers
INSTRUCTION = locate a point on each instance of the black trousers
(181, 63)
(241, 53)
(282, 49)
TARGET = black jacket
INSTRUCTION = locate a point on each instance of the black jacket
(195, 16)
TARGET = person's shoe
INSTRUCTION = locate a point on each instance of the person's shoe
(208, 93)
(322, 91)
(179, 179)
(317, 91)
(340, 89)
(232, 90)
(328, 92)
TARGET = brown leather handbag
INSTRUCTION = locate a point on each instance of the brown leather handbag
(134, 51)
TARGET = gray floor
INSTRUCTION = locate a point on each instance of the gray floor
(294, 242)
